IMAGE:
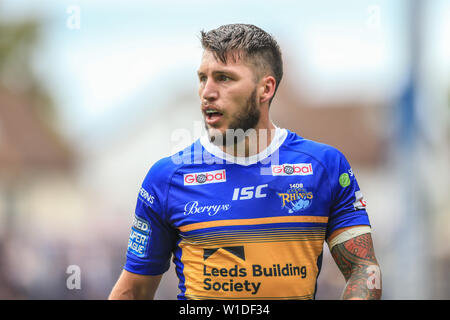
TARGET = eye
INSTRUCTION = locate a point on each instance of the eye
(223, 77)
(202, 78)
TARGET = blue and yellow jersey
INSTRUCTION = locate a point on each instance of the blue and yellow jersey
(244, 228)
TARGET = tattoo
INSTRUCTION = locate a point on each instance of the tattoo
(356, 260)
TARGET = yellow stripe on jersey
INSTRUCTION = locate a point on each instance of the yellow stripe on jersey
(226, 237)
(255, 221)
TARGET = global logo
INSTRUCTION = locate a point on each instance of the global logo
(197, 178)
(296, 199)
(296, 169)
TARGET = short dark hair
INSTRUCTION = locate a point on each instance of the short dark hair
(249, 42)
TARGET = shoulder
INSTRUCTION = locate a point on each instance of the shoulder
(163, 169)
(326, 154)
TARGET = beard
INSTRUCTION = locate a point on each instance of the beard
(245, 119)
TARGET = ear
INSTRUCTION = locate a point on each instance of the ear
(266, 88)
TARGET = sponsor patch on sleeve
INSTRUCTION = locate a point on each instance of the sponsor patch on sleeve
(146, 197)
(359, 203)
(139, 237)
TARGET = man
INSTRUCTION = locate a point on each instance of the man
(245, 210)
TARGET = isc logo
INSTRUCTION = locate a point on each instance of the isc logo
(249, 192)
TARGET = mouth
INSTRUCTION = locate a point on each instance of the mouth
(212, 115)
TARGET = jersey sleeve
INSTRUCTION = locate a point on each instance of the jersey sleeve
(348, 207)
(152, 238)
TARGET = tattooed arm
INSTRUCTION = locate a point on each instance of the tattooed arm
(355, 258)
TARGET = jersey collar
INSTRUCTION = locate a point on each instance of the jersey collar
(277, 141)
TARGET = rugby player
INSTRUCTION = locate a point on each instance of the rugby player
(245, 210)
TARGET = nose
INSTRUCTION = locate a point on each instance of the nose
(208, 91)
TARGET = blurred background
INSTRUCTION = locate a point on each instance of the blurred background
(92, 93)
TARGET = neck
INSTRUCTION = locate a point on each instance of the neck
(251, 142)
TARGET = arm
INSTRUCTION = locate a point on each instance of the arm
(132, 286)
(355, 258)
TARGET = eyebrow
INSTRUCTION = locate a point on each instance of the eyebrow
(218, 72)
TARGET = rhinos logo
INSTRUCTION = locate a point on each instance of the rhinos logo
(296, 199)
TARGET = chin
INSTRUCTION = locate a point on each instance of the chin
(214, 132)
(217, 136)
